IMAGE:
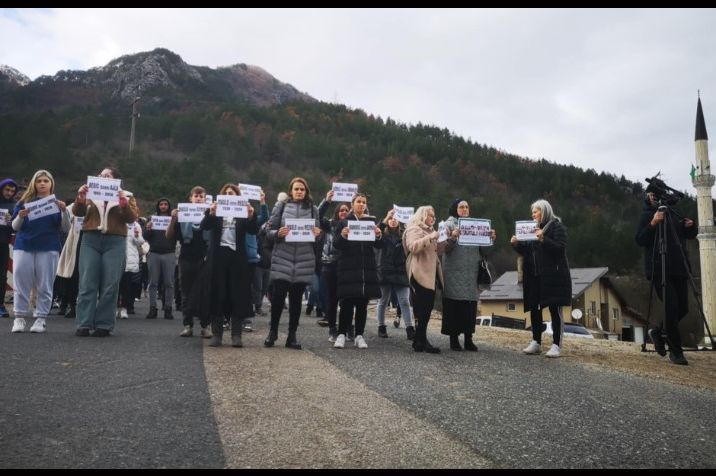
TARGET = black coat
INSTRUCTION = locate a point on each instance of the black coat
(203, 294)
(546, 278)
(357, 270)
(646, 237)
(391, 260)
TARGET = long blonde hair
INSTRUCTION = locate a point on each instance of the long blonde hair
(31, 193)
(421, 214)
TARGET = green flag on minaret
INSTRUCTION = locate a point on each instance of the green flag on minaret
(693, 172)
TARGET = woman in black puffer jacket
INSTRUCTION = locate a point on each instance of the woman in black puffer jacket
(357, 273)
(546, 278)
(392, 275)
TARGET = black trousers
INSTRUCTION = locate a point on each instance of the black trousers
(423, 302)
(536, 319)
(361, 312)
(677, 306)
(295, 293)
(189, 270)
(226, 291)
(329, 285)
(127, 291)
(4, 258)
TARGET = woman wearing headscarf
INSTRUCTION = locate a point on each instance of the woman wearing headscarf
(420, 242)
(546, 278)
(36, 252)
(460, 268)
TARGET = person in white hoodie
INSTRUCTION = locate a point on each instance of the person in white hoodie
(132, 274)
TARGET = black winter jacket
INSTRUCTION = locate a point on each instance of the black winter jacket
(546, 277)
(646, 237)
(357, 270)
(391, 260)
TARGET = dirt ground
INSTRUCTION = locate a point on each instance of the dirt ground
(616, 355)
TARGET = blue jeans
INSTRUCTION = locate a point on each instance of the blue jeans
(102, 260)
(403, 294)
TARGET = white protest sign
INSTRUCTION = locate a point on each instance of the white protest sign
(79, 223)
(250, 192)
(344, 192)
(3, 212)
(442, 232)
(42, 207)
(103, 189)
(300, 229)
(474, 232)
(526, 230)
(403, 214)
(191, 212)
(209, 199)
(232, 206)
(361, 230)
(160, 222)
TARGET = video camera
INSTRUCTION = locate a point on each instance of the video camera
(665, 195)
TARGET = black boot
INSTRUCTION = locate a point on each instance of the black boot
(382, 331)
(455, 343)
(168, 313)
(410, 331)
(319, 312)
(152, 313)
(271, 338)
(430, 349)
(291, 342)
(309, 310)
(236, 338)
(469, 344)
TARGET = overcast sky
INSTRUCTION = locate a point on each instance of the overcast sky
(612, 90)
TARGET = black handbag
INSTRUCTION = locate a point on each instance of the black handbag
(484, 275)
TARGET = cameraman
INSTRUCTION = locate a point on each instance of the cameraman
(676, 271)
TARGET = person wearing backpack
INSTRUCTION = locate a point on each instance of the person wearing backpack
(292, 263)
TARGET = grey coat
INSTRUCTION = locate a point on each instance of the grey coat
(292, 262)
(460, 266)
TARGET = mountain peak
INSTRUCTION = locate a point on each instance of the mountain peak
(10, 78)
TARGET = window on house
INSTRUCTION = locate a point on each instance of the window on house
(615, 313)
(593, 308)
(511, 307)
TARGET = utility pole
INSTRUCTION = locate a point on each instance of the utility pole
(135, 115)
(703, 180)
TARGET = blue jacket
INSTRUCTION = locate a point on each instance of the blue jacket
(252, 245)
(41, 234)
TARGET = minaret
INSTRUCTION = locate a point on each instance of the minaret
(703, 181)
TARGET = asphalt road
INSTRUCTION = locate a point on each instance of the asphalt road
(141, 398)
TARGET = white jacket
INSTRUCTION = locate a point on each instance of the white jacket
(133, 244)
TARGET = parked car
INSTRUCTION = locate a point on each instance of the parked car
(569, 329)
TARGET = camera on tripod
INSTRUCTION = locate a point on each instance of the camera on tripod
(665, 195)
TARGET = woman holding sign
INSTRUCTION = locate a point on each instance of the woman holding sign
(37, 249)
(293, 263)
(227, 266)
(357, 269)
(102, 256)
(420, 241)
(461, 264)
(546, 279)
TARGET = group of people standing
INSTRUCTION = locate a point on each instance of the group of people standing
(218, 259)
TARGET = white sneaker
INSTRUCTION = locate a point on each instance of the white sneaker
(187, 332)
(18, 325)
(206, 332)
(533, 348)
(39, 325)
(360, 342)
(340, 341)
(553, 351)
(123, 314)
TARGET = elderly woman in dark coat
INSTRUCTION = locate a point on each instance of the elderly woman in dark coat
(293, 264)
(546, 278)
(357, 273)
(460, 267)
